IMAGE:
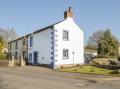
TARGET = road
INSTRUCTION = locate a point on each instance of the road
(17, 78)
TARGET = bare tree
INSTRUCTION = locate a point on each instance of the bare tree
(94, 40)
(8, 34)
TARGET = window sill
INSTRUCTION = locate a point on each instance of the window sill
(65, 40)
(65, 58)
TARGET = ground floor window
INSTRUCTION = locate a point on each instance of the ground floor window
(16, 54)
(65, 53)
(30, 56)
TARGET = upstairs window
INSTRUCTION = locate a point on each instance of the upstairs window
(65, 53)
(65, 35)
(16, 45)
(31, 41)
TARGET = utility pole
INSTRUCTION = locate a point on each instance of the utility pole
(73, 57)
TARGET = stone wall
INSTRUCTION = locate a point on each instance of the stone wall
(4, 63)
(12, 62)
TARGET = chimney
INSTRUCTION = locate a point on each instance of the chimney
(68, 13)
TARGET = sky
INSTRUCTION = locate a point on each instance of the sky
(26, 16)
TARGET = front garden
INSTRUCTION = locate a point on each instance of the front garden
(90, 70)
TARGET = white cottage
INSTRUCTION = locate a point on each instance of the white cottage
(57, 45)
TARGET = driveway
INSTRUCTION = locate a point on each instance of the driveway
(44, 78)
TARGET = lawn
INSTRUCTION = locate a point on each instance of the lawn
(89, 69)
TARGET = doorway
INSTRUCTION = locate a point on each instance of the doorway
(35, 58)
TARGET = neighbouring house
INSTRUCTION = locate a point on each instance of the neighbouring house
(57, 45)
(89, 56)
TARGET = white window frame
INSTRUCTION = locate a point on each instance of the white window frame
(65, 53)
(31, 41)
(30, 56)
(16, 45)
(65, 35)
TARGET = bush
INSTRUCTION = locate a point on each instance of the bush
(78, 65)
(102, 56)
(91, 70)
(119, 58)
(114, 72)
(3, 56)
(62, 67)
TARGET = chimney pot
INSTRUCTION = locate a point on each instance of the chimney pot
(68, 13)
(70, 9)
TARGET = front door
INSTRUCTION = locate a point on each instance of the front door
(35, 58)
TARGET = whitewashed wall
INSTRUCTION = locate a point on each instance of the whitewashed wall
(49, 44)
(41, 44)
(75, 43)
(18, 50)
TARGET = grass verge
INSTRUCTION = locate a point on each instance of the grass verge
(90, 70)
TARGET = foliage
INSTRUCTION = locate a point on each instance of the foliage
(114, 72)
(3, 56)
(1, 44)
(8, 34)
(108, 45)
(118, 58)
(104, 43)
(94, 39)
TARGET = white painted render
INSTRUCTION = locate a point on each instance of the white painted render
(75, 43)
(18, 50)
(49, 44)
(41, 44)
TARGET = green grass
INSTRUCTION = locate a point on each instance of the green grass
(88, 69)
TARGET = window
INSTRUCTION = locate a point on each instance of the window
(31, 41)
(10, 55)
(16, 45)
(65, 35)
(16, 55)
(65, 53)
(30, 56)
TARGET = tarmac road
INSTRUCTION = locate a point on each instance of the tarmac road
(15, 79)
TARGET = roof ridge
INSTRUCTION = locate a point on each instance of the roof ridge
(39, 30)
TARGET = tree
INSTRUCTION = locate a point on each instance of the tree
(104, 43)
(108, 45)
(94, 40)
(8, 34)
(11, 34)
(1, 44)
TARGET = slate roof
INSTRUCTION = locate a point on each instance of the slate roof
(37, 31)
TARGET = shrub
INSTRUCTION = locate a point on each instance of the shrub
(92, 70)
(3, 56)
(62, 67)
(78, 65)
(75, 69)
(102, 56)
(118, 58)
(114, 72)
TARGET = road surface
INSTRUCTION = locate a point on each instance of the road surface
(22, 78)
